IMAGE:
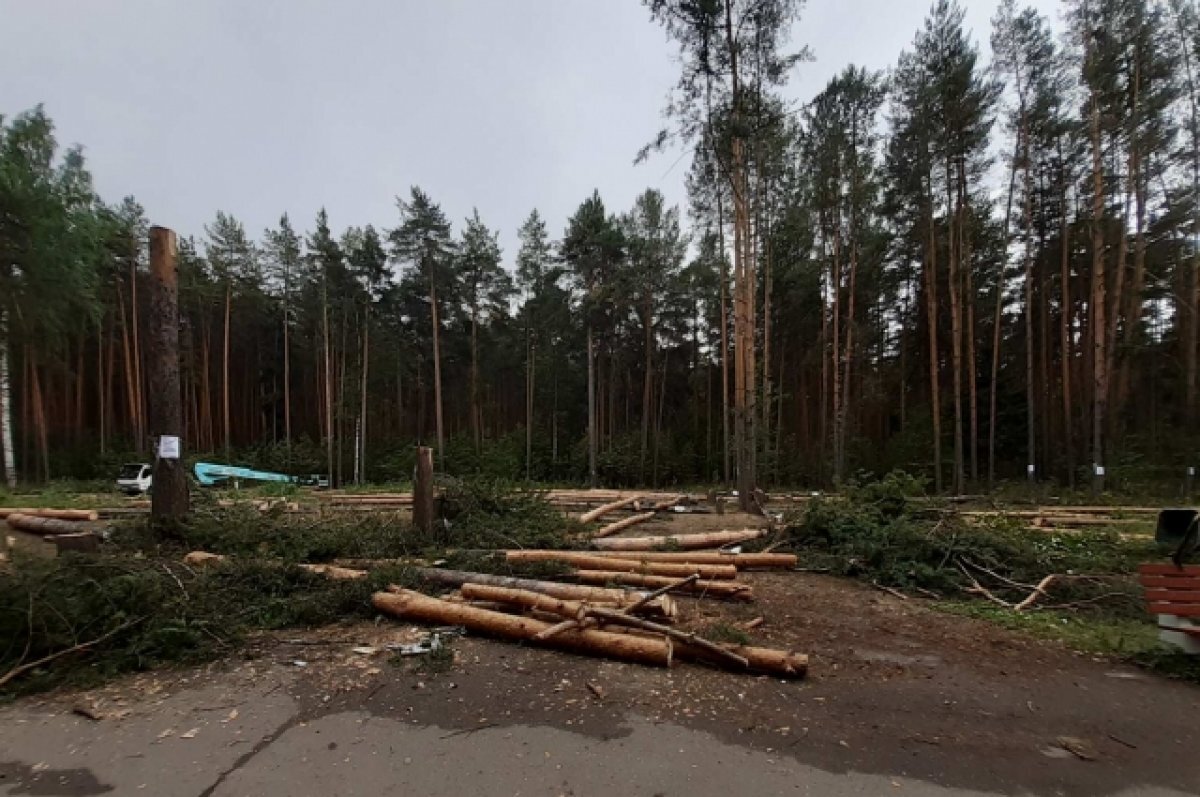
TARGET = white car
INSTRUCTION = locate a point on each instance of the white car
(135, 478)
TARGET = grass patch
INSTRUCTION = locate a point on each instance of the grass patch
(724, 632)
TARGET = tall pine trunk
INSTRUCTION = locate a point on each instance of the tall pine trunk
(7, 451)
(362, 410)
(931, 307)
(225, 428)
(591, 405)
(1096, 323)
(647, 380)
(437, 371)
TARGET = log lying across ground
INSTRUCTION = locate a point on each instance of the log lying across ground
(57, 514)
(718, 589)
(712, 539)
(662, 606)
(334, 572)
(45, 526)
(591, 561)
(621, 525)
(410, 605)
(687, 645)
(742, 561)
(604, 509)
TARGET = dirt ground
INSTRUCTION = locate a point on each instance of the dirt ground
(900, 698)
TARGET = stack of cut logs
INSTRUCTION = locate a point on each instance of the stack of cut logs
(1131, 520)
(47, 532)
(601, 616)
(621, 608)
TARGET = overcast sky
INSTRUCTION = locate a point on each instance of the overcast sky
(260, 107)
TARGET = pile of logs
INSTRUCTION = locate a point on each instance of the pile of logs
(609, 614)
(1133, 520)
(582, 626)
(48, 532)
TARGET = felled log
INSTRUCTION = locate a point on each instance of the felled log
(712, 539)
(334, 572)
(719, 589)
(662, 606)
(204, 559)
(525, 599)
(42, 525)
(781, 663)
(667, 503)
(742, 561)
(410, 605)
(58, 514)
(688, 645)
(621, 525)
(604, 509)
(630, 565)
(576, 613)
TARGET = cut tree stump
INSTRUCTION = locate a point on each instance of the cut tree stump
(712, 539)
(410, 605)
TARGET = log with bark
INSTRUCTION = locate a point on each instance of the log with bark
(204, 559)
(410, 605)
(44, 526)
(712, 539)
(621, 525)
(604, 509)
(742, 561)
(717, 589)
(631, 565)
(662, 606)
(334, 572)
(688, 645)
(58, 514)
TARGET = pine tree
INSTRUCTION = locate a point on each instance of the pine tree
(486, 288)
(423, 242)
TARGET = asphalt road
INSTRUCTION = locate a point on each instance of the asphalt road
(251, 736)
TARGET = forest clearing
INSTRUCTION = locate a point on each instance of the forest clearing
(855, 456)
(896, 662)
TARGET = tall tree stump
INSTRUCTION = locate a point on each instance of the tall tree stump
(423, 491)
(169, 495)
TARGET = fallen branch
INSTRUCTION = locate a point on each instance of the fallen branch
(893, 592)
(1038, 592)
(650, 596)
(979, 589)
(20, 669)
